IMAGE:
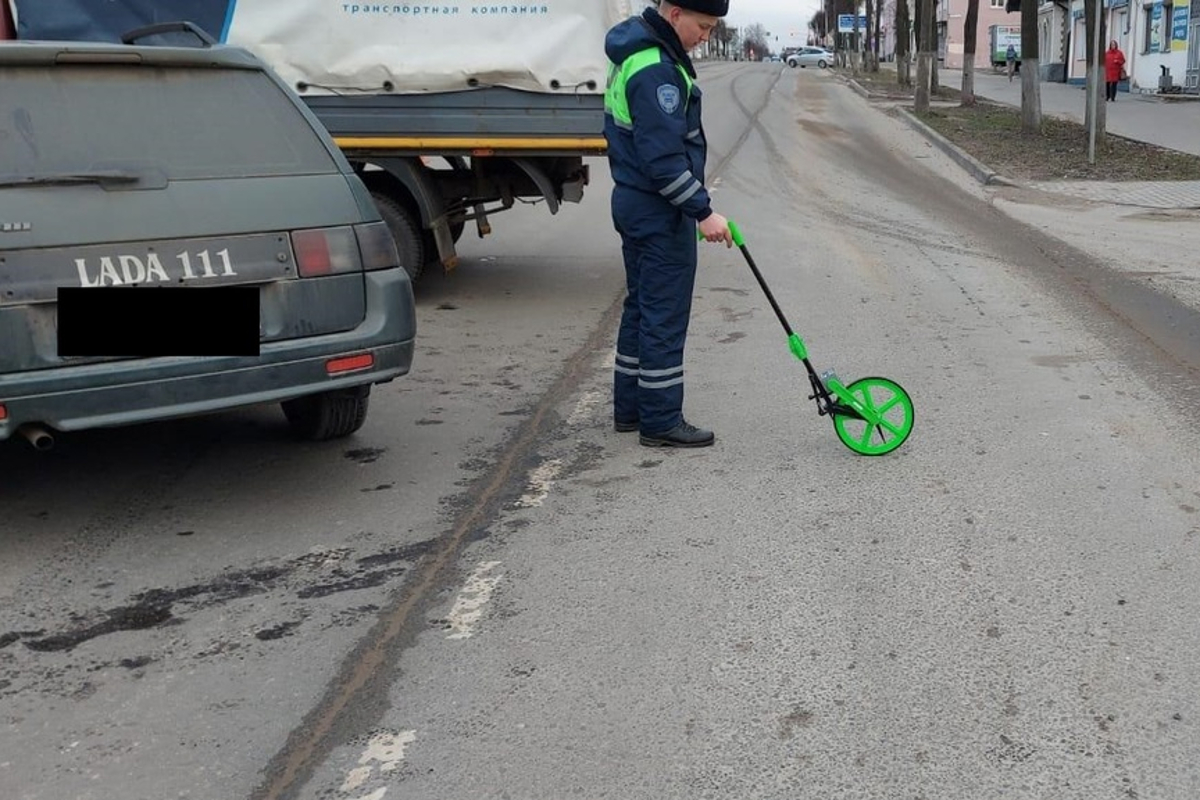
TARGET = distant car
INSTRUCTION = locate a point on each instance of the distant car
(773, 57)
(185, 177)
(810, 57)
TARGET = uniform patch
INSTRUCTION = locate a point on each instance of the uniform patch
(668, 98)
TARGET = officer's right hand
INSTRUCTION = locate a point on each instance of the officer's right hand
(715, 228)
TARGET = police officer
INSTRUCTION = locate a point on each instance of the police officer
(656, 151)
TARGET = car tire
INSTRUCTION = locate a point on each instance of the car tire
(791, 63)
(822, 64)
(328, 415)
(405, 232)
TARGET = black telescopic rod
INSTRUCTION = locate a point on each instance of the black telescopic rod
(741, 243)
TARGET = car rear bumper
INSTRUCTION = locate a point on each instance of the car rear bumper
(125, 392)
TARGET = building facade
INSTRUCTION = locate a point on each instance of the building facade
(1160, 39)
(952, 15)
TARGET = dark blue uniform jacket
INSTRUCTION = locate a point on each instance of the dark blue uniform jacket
(667, 141)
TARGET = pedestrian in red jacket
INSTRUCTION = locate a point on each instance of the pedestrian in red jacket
(1114, 70)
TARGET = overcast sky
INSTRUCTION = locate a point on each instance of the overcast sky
(787, 19)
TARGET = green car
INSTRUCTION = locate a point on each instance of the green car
(179, 235)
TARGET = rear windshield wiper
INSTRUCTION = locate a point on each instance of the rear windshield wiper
(102, 177)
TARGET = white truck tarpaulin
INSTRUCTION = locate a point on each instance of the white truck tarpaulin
(338, 47)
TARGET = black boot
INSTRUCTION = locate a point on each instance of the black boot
(682, 435)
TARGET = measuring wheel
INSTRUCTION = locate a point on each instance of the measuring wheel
(882, 417)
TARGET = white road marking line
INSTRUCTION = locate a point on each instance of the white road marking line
(539, 483)
(476, 593)
(584, 408)
(355, 778)
(384, 749)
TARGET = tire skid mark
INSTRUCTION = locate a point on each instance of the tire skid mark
(367, 666)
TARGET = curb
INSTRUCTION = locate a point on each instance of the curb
(869, 95)
(981, 172)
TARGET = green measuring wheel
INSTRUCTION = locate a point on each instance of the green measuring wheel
(874, 415)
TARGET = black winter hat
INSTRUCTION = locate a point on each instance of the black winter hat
(714, 8)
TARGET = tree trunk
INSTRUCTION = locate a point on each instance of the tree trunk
(1031, 94)
(869, 7)
(925, 56)
(878, 27)
(855, 48)
(1095, 72)
(931, 45)
(903, 32)
(970, 38)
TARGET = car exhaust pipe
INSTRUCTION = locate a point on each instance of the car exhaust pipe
(39, 437)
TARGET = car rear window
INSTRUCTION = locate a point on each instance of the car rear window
(183, 123)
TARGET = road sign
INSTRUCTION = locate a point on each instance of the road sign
(846, 23)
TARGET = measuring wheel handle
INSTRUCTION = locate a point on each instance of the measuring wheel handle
(872, 416)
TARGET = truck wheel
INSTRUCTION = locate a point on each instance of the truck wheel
(328, 415)
(406, 233)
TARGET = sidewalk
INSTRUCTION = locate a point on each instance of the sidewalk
(1174, 125)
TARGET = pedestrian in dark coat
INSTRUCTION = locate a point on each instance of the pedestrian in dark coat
(1114, 70)
(657, 152)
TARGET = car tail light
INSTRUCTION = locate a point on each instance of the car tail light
(3, 413)
(376, 246)
(349, 363)
(325, 251)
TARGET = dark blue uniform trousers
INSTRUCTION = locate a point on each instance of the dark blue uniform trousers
(658, 243)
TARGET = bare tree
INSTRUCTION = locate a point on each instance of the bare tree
(933, 47)
(875, 38)
(1095, 71)
(754, 41)
(925, 9)
(903, 34)
(817, 26)
(870, 9)
(970, 37)
(1031, 88)
(855, 43)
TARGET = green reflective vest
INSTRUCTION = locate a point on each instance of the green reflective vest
(615, 102)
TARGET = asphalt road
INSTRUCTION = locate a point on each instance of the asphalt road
(488, 593)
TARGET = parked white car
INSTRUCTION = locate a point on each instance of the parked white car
(810, 57)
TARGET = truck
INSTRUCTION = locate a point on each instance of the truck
(451, 112)
(999, 38)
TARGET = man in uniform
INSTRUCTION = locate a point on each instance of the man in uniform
(656, 151)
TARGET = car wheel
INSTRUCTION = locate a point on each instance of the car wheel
(328, 415)
(405, 232)
(791, 63)
(822, 64)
